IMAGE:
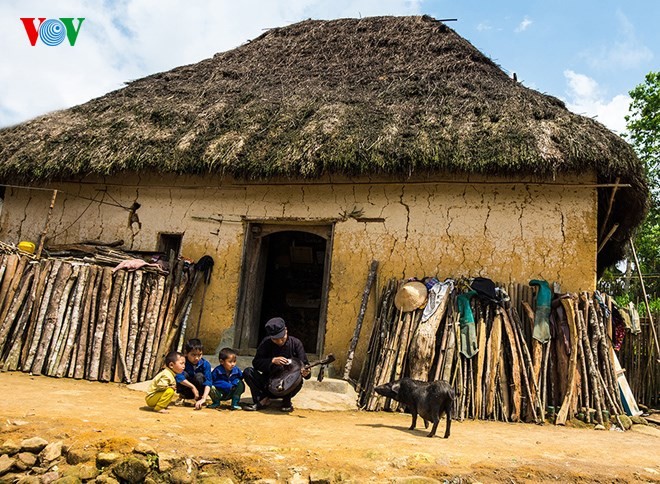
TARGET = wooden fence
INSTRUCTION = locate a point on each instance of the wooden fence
(511, 377)
(71, 318)
(639, 359)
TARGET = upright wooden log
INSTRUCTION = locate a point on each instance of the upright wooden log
(562, 415)
(12, 290)
(153, 318)
(591, 366)
(101, 322)
(61, 330)
(80, 366)
(481, 358)
(9, 267)
(146, 306)
(47, 268)
(50, 319)
(516, 394)
(14, 308)
(494, 357)
(123, 324)
(12, 361)
(76, 316)
(422, 346)
(371, 276)
(452, 323)
(108, 346)
(134, 323)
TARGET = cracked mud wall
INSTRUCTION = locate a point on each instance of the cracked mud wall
(509, 232)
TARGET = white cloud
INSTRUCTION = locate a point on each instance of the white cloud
(524, 24)
(625, 52)
(122, 40)
(587, 98)
(483, 26)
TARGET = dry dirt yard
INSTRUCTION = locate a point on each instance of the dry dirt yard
(350, 446)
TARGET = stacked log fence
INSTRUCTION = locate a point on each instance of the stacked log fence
(638, 357)
(512, 377)
(72, 318)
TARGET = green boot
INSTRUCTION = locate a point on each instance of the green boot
(234, 403)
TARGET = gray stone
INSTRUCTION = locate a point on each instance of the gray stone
(87, 472)
(77, 456)
(9, 447)
(51, 452)
(180, 475)
(105, 459)
(321, 477)
(38, 470)
(144, 449)
(106, 479)
(6, 463)
(49, 477)
(131, 469)
(415, 480)
(167, 461)
(639, 420)
(68, 480)
(84, 472)
(34, 445)
(28, 480)
(27, 458)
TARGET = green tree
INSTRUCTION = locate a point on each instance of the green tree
(643, 132)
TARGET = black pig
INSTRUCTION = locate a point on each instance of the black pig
(428, 399)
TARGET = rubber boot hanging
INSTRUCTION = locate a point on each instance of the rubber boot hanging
(542, 316)
(469, 346)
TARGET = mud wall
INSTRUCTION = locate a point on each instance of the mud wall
(447, 227)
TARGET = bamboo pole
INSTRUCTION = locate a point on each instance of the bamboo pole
(42, 237)
(371, 275)
(646, 302)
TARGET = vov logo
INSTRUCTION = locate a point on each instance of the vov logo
(51, 31)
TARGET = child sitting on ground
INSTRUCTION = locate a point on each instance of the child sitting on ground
(161, 390)
(195, 381)
(227, 380)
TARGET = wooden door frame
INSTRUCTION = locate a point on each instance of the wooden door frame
(253, 271)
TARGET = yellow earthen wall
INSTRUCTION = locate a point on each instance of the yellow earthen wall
(509, 232)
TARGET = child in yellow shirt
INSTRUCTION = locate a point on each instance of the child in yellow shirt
(162, 388)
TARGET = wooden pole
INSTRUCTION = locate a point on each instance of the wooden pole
(646, 302)
(358, 325)
(42, 237)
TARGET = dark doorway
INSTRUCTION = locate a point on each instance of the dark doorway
(285, 274)
(293, 284)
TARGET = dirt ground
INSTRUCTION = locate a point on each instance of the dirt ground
(350, 445)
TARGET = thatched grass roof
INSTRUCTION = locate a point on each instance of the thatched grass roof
(386, 95)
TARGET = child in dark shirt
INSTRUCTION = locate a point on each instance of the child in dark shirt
(227, 380)
(195, 381)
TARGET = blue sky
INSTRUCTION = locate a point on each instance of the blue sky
(590, 53)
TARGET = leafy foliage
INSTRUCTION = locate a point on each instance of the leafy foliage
(643, 126)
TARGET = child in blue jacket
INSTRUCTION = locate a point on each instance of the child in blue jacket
(227, 380)
(195, 381)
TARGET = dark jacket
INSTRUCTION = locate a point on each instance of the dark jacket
(267, 350)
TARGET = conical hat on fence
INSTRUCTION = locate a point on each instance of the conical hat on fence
(410, 296)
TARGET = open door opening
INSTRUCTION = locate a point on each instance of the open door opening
(285, 274)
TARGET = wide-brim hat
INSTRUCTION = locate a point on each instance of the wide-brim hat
(412, 295)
